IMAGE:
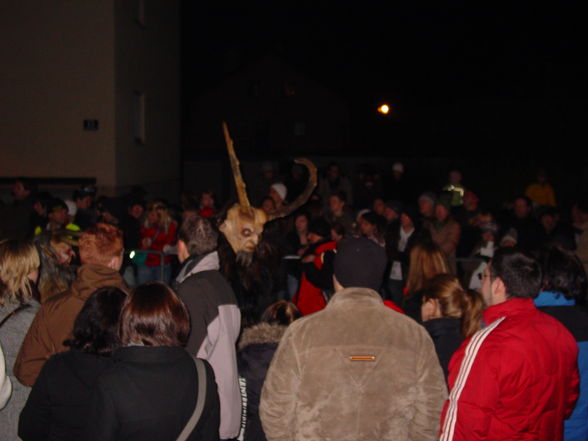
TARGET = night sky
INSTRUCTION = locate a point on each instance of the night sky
(505, 76)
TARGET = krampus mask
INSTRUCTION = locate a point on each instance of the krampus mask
(243, 225)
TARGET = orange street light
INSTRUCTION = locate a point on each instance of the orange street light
(384, 109)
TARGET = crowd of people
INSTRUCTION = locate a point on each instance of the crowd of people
(378, 310)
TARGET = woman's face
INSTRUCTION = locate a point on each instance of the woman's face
(34, 275)
(430, 309)
(301, 224)
(152, 217)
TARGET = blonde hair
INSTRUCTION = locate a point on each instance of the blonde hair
(456, 302)
(17, 260)
(164, 219)
(426, 261)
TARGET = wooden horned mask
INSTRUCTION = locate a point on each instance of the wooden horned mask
(244, 224)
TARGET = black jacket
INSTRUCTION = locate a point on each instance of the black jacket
(57, 407)
(256, 350)
(446, 336)
(149, 394)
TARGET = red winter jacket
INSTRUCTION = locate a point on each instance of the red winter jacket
(158, 241)
(516, 379)
(310, 298)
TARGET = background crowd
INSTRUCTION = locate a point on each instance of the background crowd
(99, 290)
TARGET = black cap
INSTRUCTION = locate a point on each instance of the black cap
(360, 262)
(56, 204)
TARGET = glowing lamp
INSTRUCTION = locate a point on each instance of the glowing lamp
(384, 109)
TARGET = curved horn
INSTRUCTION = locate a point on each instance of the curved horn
(300, 200)
(239, 182)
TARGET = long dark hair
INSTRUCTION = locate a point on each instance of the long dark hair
(96, 326)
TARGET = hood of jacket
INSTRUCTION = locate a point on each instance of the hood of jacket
(261, 333)
(91, 277)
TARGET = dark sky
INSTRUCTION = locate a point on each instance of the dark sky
(486, 70)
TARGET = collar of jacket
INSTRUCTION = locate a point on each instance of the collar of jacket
(509, 308)
(442, 326)
(149, 354)
(550, 298)
(197, 264)
(91, 277)
(355, 294)
(261, 333)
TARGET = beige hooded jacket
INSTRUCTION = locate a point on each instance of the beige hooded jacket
(356, 370)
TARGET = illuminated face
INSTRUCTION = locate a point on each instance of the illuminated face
(243, 228)
(486, 288)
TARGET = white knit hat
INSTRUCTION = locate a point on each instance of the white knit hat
(280, 189)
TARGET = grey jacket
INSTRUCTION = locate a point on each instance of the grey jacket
(356, 370)
(12, 334)
(216, 322)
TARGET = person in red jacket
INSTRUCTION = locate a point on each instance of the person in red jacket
(158, 233)
(517, 378)
(316, 283)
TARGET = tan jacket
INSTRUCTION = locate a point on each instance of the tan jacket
(315, 391)
(54, 322)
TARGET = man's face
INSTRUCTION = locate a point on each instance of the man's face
(336, 204)
(390, 214)
(379, 207)
(58, 216)
(425, 207)
(486, 289)
(84, 202)
(521, 209)
(406, 221)
(365, 227)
